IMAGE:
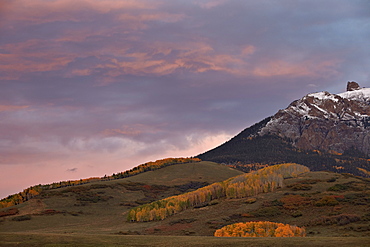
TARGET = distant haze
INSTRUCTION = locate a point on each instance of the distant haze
(92, 87)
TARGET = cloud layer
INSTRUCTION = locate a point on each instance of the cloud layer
(94, 87)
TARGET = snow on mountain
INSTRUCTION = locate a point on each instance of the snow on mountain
(324, 96)
(362, 94)
(325, 121)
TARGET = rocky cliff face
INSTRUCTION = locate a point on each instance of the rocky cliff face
(324, 121)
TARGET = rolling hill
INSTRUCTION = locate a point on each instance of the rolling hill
(84, 207)
(326, 203)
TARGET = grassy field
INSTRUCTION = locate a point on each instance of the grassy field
(29, 240)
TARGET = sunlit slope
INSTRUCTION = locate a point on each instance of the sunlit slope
(204, 171)
(241, 186)
(325, 203)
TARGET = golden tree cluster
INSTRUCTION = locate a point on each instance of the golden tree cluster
(260, 229)
(250, 184)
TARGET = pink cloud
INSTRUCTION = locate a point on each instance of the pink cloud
(309, 68)
(41, 11)
(248, 50)
(12, 107)
(32, 56)
(197, 57)
(161, 16)
(81, 72)
(208, 4)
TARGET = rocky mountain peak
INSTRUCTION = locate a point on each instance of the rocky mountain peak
(352, 86)
(325, 121)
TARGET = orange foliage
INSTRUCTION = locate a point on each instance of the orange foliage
(260, 229)
(292, 202)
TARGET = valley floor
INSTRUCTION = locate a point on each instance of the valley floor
(29, 240)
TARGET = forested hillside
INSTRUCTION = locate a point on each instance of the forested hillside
(246, 153)
(263, 180)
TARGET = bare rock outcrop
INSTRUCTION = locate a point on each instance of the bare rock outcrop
(352, 86)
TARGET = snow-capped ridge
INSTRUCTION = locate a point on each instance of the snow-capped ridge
(324, 96)
(362, 94)
(325, 121)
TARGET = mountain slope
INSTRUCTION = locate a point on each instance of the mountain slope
(321, 130)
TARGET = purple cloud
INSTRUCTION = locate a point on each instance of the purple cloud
(104, 86)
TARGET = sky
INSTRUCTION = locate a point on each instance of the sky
(94, 87)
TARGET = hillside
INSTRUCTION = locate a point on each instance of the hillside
(327, 204)
(245, 153)
(84, 207)
(34, 191)
(241, 186)
(203, 172)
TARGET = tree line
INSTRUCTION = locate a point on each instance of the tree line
(33, 191)
(250, 184)
(248, 148)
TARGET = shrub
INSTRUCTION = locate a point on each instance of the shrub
(266, 212)
(293, 202)
(310, 181)
(186, 232)
(128, 204)
(366, 217)
(98, 186)
(50, 212)
(214, 202)
(341, 219)
(296, 214)
(299, 186)
(129, 232)
(326, 201)
(91, 197)
(277, 203)
(247, 215)
(22, 218)
(191, 186)
(182, 221)
(144, 200)
(251, 200)
(77, 189)
(12, 211)
(338, 187)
